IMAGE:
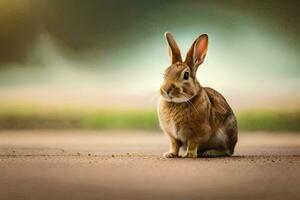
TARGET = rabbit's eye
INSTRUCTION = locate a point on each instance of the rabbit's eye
(186, 76)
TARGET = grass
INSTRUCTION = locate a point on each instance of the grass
(33, 118)
(269, 121)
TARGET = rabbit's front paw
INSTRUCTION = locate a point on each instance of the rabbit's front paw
(170, 155)
(190, 155)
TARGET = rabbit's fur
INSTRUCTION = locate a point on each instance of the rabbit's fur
(193, 116)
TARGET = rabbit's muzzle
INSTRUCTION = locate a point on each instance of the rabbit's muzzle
(170, 91)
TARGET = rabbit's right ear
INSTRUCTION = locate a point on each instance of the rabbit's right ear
(174, 51)
(196, 54)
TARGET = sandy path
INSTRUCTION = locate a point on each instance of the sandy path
(92, 165)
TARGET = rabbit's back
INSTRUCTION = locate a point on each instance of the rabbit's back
(222, 118)
(219, 107)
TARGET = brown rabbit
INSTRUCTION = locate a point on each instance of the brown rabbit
(193, 116)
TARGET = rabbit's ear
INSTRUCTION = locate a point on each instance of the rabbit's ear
(196, 54)
(174, 51)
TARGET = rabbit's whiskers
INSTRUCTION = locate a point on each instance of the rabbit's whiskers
(187, 100)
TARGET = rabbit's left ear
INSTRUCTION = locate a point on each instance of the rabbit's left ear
(196, 54)
(173, 48)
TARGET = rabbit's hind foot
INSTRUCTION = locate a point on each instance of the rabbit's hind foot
(215, 153)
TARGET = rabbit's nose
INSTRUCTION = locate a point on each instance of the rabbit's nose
(169, 91)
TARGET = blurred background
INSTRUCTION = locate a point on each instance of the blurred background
(75, 64)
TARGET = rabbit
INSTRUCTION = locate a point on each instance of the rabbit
(193, 116)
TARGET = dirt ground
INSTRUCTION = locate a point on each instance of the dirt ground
(128, 165)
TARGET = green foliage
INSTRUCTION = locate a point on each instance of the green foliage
(33, 118)
(269, 121)
(120, 120)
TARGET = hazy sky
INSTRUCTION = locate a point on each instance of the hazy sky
(118, 46)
